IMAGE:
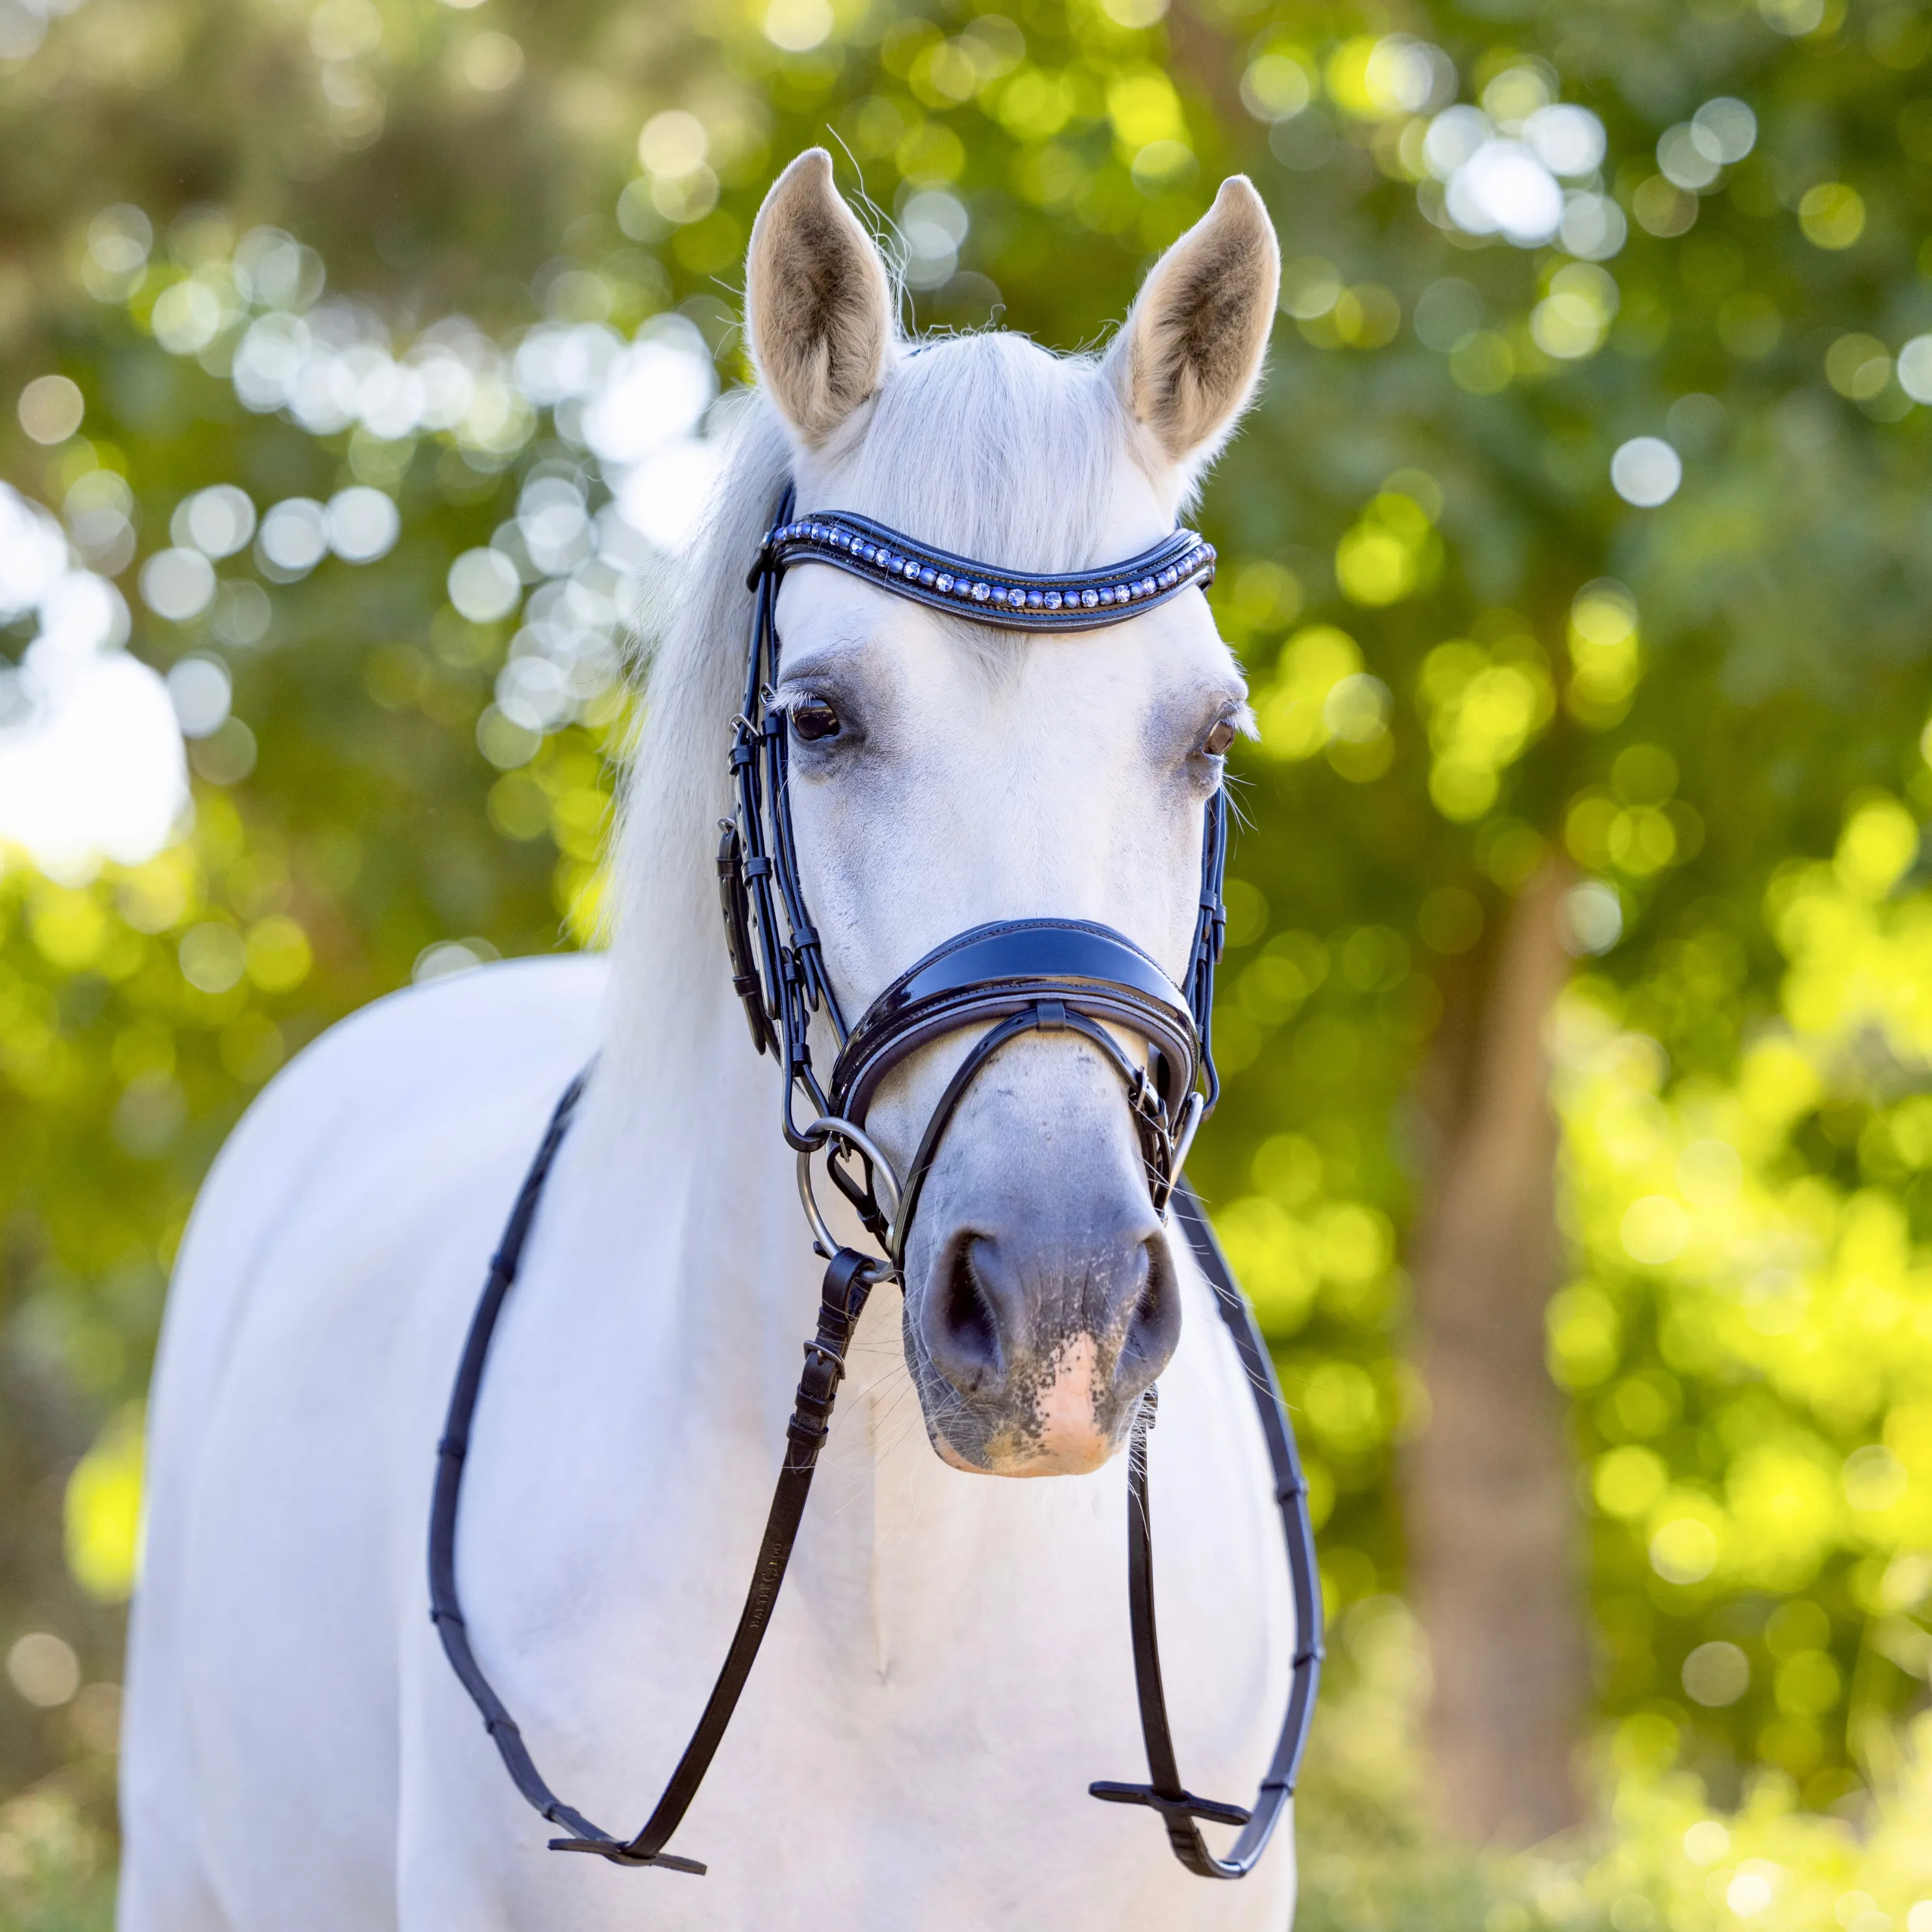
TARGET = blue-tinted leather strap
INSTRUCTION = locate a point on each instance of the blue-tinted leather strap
(994, 970)
(1079, 600)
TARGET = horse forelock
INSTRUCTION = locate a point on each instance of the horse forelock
(986, 445)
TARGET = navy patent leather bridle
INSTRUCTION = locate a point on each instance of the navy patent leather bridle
(1008, 978)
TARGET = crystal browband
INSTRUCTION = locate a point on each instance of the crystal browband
(1081, 600)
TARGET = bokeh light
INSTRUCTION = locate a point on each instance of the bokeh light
(51, 408)
(1646, 471)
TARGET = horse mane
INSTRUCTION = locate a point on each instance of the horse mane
(986, 445)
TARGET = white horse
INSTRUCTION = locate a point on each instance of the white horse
(948, 1666)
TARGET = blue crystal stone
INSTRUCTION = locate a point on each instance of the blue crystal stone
(865, 552)
(1034, 601)
(981, 592)
(929, 578)
(1169, 577)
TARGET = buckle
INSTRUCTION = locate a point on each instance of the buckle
(1181, 1804)
(622, 1855)
(832, 1364)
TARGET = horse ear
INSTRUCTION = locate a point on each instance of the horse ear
(1185, 361)
(818, 299)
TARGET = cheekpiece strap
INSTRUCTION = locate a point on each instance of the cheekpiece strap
(1082, 600)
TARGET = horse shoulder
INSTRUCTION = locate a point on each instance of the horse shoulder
(393, 1082)
(340, 1207)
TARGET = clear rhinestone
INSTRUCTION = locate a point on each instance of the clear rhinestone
(1053, 600)
(981, 592)
(944, 581)
(1091, 599)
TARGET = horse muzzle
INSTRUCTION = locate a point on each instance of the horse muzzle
(1040, 1292)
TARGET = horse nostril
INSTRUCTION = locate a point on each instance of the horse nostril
(1154, 1327)
(964, 1337)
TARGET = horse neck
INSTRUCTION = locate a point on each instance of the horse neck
(690, 1189)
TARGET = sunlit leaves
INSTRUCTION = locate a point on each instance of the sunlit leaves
(1483, 705)
(1392, 552)
(103, 1509)
(1832, 215)
(1768, 1264)
(1605, 654)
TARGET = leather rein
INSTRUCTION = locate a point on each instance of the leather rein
(1009, 978)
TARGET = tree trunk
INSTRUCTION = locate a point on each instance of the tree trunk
(1490, 1508)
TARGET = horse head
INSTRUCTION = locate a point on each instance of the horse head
(946, 774)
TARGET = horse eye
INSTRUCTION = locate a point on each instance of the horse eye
(812, 719)
(1218, 740)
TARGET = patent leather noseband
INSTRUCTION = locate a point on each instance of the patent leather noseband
(996, 982)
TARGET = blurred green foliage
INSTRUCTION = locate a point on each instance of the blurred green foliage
(1471, 659)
